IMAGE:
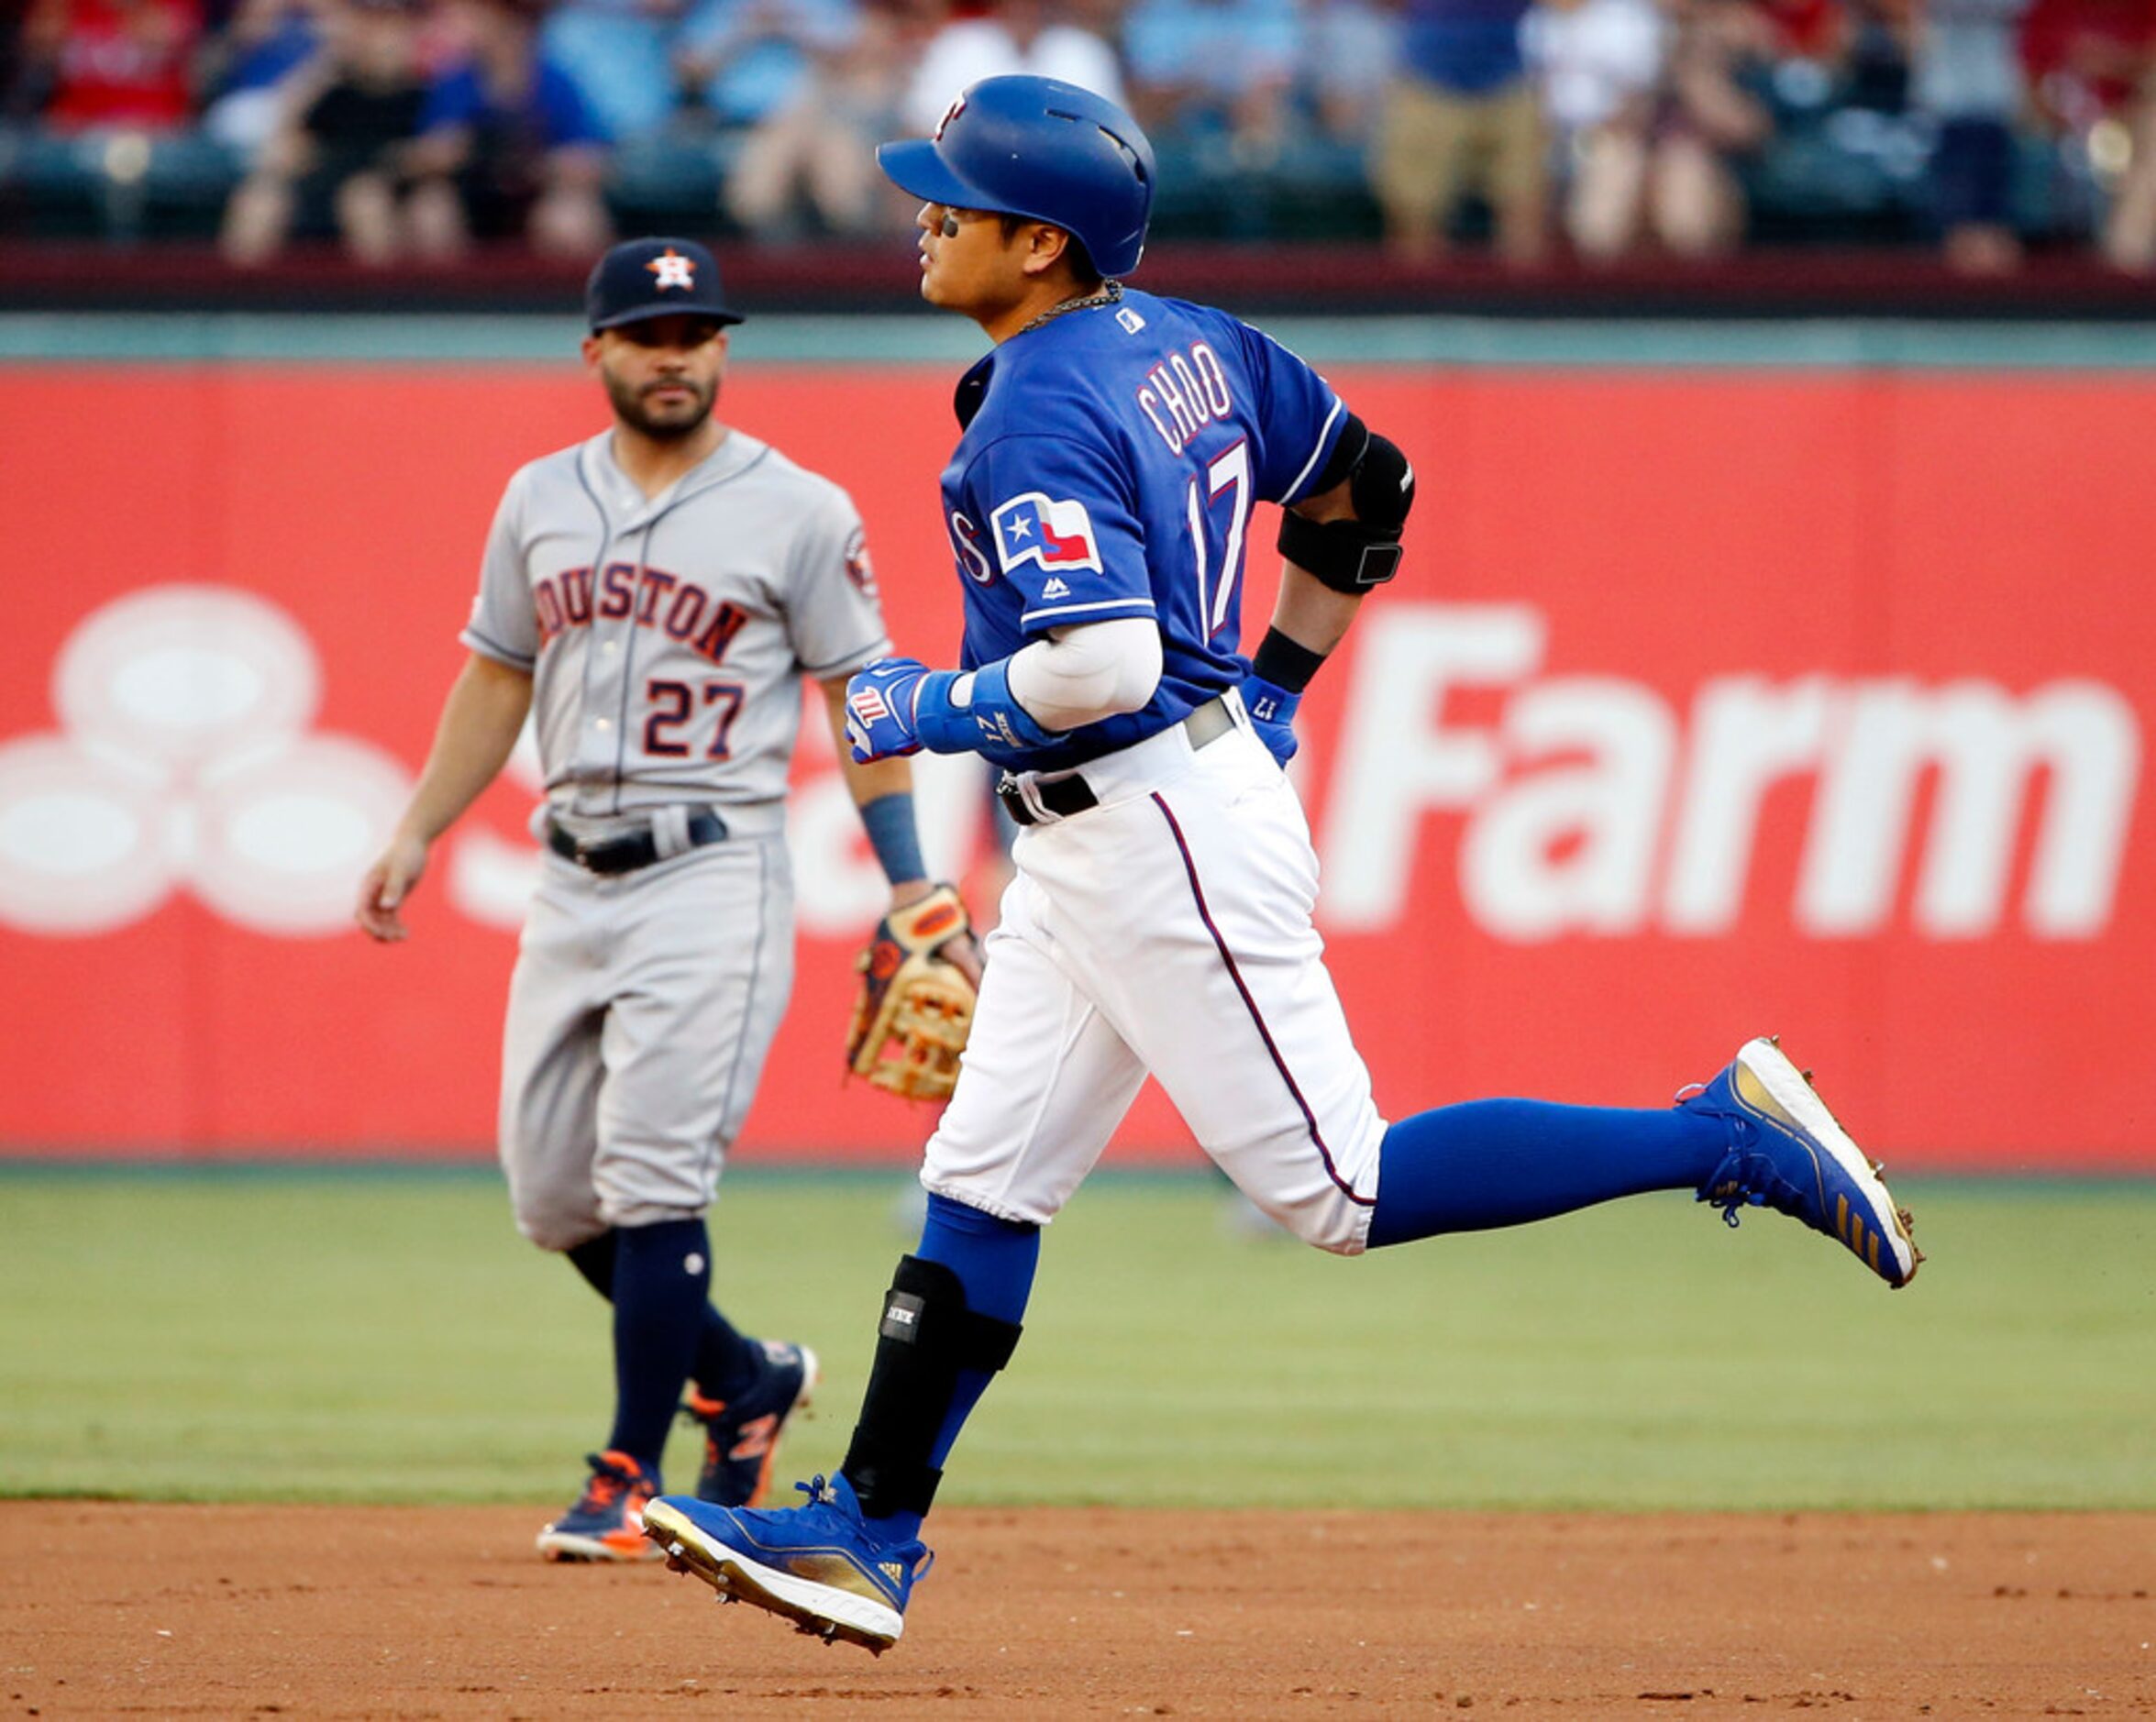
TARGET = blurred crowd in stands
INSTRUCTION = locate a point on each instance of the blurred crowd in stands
(407, 131)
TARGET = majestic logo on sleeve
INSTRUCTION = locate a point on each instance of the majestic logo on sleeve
(671, 268)
(1035, 528)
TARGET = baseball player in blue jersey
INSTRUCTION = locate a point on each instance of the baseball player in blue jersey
(653, 598)
(1159, 919)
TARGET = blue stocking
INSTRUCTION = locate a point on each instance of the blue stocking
(1502, 1162)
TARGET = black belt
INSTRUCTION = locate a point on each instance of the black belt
(634, 849)
(1065, 795)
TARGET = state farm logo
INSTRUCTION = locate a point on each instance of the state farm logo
(184, 762)
(1592, 805)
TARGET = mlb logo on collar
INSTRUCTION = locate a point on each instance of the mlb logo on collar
(1036, 528)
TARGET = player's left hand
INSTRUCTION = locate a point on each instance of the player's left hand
(1272, 715)
(880, 700)
(962, 950)
(914, 1008)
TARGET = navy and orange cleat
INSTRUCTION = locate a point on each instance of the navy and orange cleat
(1787, 1153)
(817, 1565)
(607, 1522)
(741, 1434)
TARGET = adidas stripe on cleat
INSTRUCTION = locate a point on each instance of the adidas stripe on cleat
(817, 1565)
(1788, 1153)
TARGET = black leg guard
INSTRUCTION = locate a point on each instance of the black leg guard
(927, 1336)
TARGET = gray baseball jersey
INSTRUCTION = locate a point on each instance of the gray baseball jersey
(667, 638)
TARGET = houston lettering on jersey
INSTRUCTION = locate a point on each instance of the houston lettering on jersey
(681, 608)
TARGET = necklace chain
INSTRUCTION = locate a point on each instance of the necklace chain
(1107, 296)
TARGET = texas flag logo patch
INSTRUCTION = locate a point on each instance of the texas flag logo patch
(1036, 528)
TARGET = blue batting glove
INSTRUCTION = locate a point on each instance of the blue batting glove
(1272, 714)
(962, 712)
(879, 702)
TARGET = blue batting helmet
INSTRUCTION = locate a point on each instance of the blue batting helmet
(1049, 151)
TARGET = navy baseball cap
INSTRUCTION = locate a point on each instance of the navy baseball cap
(655, 278)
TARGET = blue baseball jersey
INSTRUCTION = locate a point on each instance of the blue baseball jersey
(1109, 467)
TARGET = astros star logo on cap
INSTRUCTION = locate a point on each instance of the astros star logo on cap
(673, 270)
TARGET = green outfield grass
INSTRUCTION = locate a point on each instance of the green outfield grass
(384, 1335)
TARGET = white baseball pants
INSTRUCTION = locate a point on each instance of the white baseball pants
(1165, 931)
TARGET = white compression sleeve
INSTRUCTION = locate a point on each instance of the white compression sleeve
(1083, 674)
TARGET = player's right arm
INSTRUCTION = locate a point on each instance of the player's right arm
(479, 722)
(1313, 615)
(1058, 531)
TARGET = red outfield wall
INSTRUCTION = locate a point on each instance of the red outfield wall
(1708, 705)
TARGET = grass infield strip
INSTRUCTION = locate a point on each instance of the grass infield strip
(386, 1336)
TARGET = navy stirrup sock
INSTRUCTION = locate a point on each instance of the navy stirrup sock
(994, 1260)
(1501, 1162)
(661, 1275)
(728, 1362)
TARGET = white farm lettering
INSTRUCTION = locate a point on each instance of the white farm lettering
(1591, 805)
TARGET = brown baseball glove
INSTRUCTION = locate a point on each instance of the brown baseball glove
(915, 1006)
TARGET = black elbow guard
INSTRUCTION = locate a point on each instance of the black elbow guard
(1351, 556)
(1382, 486)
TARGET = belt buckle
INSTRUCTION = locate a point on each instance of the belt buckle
(603, 858)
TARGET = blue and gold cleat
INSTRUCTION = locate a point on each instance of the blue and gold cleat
(1787, 1153)
(817, 1565)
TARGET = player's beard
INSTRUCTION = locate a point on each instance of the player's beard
(663, 425)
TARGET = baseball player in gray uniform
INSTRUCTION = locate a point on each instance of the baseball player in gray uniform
(652, 598)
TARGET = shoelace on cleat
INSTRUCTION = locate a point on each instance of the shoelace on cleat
(1726, 1189)
(918, 1557)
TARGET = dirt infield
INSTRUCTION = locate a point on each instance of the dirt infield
(311, 1611)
